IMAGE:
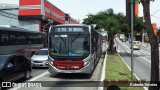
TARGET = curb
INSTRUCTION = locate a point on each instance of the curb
(145, 88)
(104, 67)
(103, 71)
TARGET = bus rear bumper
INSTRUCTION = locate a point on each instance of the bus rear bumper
(86, 70)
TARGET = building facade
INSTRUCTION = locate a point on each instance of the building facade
(35, 15)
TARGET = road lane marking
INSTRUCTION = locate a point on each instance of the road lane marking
(141, 56)
(137, 52)
(142, 51)
(128, 51)
(33, 79)
(103, 71)
(130, 70)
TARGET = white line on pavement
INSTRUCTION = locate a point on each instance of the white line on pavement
(130, 70)
(137, 52)
(140, 56)
(33, 79)
(142, 51)
(128, 51)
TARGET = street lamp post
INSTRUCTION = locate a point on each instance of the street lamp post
(143, 37)
(143, 33)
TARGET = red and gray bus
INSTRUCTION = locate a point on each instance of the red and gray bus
(73, 48)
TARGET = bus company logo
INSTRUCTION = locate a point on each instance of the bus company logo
(68, 60)
(6, 84)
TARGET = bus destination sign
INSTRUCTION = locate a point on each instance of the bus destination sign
(69, 29)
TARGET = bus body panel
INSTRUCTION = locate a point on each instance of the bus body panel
(88, 62)
(70, 64)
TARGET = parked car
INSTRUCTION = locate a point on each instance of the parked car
(136, 45)
(14, 67)
(40, 58)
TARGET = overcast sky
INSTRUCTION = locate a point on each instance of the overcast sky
(78, 9)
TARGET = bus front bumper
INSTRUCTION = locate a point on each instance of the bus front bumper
(86, 69)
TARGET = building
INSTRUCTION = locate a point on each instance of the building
(35, 15)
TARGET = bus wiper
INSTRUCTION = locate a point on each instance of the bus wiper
(75, 37)
(60, 46)
(63, 41)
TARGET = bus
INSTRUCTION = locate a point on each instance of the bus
(19, 40)
(73, 48)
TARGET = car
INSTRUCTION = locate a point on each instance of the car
(14, 67)
(136, 45)
(40, 58)
(124, 40)
(122, 37)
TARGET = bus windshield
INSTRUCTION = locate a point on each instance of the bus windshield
(69, 44)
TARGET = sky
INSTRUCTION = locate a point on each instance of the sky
(79, 9)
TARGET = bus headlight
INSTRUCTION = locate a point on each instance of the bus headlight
(86, 63)
(50, 60)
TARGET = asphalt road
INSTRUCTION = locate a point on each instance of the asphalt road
(42, 76)
(141, 58)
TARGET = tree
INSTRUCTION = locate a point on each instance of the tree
(153, 42)
(138, 24)
(110, 22)
(138, 28)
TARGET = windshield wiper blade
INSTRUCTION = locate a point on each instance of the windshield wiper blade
(75, 37)
(63, 40)
(60, 46)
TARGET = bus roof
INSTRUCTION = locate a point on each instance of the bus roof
(72, 25)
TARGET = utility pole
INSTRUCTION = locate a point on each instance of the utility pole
(143, 37)
(143, 33)
(132, 61)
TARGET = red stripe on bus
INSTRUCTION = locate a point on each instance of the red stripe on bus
(68, 65)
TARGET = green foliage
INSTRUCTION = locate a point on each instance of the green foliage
(138, 24)
(124, 27)
(110, 24)
(108, 20)
(116, 70)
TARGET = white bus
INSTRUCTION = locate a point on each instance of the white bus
(73, 48)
